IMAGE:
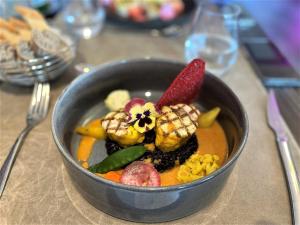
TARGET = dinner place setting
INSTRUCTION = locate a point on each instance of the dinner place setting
(148, 112)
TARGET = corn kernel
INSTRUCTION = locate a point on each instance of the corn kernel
(197, 166)
(216, 158)
(208, 158)
(150, 147)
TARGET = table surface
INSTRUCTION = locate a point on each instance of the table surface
(39, 190)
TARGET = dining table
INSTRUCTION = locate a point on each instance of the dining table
(39, 190)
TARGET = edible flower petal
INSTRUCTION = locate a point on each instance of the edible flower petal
(149, 106)
(145, 124)
(136, 113)
(143, 117)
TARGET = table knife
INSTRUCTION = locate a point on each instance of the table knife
(280, 82)
(276, 123)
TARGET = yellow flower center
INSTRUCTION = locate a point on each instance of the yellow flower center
(143, 117)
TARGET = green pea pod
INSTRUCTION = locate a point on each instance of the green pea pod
(118, 159)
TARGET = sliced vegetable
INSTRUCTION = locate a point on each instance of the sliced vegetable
(96, 132)
(140, 174)
(133, 102)
(207, 119)
(117, 100)
(118, 159)
(85, 148)
(186, 85)
(113, 176)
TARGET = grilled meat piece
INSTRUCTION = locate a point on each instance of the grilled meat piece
(175, 126)
(118, 129)
(116, 123)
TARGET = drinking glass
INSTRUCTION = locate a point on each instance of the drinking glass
(214, 37)
(85, 18)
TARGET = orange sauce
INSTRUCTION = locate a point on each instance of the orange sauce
(211, 140)
(169, 177)
(86, 146)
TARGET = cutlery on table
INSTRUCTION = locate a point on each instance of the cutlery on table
(275, 122)
(36, 113)
(287, 82)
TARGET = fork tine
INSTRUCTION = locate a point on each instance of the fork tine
(41, 98)
(38, 98)
(33, 98)
(50, 66)
(46, 99)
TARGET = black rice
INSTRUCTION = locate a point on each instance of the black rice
(162, 161)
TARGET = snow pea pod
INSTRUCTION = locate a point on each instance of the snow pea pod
(118, 159)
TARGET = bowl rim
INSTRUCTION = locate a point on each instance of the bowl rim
(65, 152)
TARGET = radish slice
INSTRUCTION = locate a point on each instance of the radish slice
(140, 173)
(186, 86)
(133, 102)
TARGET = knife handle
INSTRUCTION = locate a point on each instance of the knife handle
(291, 175)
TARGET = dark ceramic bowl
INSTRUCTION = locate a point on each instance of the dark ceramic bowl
(82, 101)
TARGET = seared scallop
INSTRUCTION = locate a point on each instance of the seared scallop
(175, 126)
(118, 129)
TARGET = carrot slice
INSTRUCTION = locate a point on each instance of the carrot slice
(113, 176)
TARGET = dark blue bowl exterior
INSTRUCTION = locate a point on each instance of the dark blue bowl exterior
(148, 206)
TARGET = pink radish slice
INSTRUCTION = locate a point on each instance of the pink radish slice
(140, 173)
(133, 102)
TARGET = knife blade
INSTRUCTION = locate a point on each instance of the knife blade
(275, 118)
(287, 82)
(276, 123)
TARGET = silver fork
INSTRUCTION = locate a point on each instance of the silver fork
(36, 113)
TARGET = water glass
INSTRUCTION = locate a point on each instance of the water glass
(85, 18)
(214, 37)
